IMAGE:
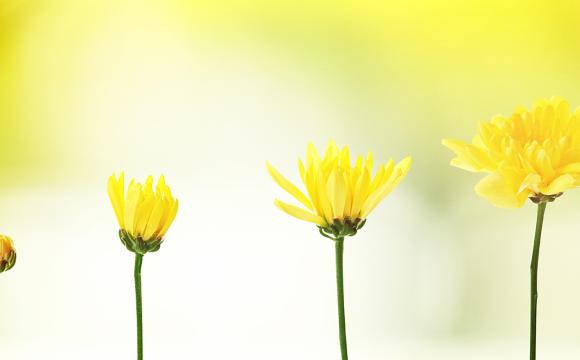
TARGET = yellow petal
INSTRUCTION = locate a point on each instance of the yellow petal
(310, 183)
(120, 185)
(116, 195)
(288, 186)
(300, 213)
(345, 159)
(382, 176)
(358, 164)
(148, 188)
(531, 182)
(170, 218)
(302, 171)
(369, 162)
(404, 166)
(469, 157)
(331, 151)
(323, 199)
(336, 189)
(500, 193)
(134, 198)
(570, 168)
(560, 184)
(399, 173)
(360, 193)
(349, 197)
(457, 146)
(162, 188)
(142, 215)
(312, 157)
(153, 224)
(545, 165)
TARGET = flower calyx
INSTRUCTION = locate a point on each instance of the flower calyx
(138, 245)
(340, 228)
(542, 198)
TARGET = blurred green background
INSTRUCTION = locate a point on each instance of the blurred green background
(206, 92)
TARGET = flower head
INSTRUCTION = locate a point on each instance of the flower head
(144, 215)
(340, 195)
(532, 154)
(7, 253)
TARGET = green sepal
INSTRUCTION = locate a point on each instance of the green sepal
(323, 233)
(138, 245)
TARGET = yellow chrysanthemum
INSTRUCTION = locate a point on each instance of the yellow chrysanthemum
(339, 194)
(143, 214)
(7, 253)
(532, 154)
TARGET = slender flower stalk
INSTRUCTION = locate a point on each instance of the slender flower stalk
(340, 197)
(7, 253)
(144, 217)
(533, 154)
(534, 278)
(139, 304)
(339, 250)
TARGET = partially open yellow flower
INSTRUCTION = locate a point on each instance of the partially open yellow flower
(144, 215)
(340, 196)
(532, 154)
(7, 253)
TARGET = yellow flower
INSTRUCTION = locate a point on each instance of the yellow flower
(340, 196)
(7, 253)
(532, 154)
(144, 215)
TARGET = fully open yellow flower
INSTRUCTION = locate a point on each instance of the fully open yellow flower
(143, 214)
(7, 253)
(339, 194)
(532, 154)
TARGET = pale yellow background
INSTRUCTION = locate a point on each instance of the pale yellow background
(207, 91)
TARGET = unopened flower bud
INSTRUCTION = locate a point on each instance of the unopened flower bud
(7, 253)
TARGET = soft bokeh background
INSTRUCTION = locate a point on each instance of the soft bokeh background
(207, 91)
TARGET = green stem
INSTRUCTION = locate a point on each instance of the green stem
(339, 248)
(139, 302)
(534, 278)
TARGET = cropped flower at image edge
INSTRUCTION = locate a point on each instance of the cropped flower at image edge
(7, 253)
